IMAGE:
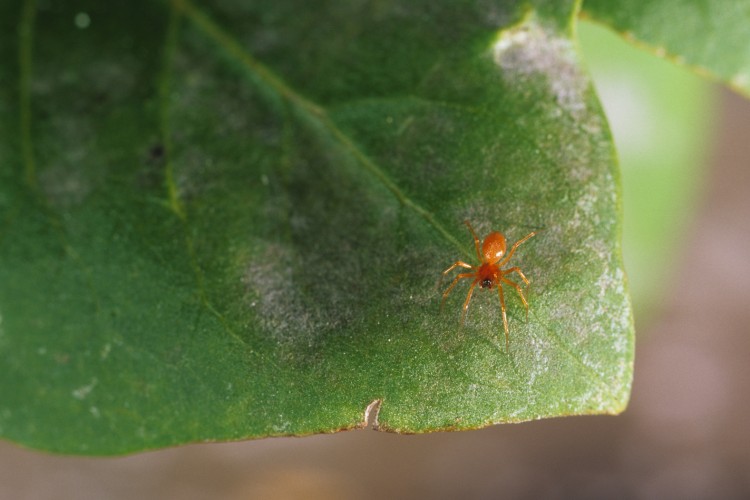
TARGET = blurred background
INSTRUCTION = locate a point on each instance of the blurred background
(685, 154)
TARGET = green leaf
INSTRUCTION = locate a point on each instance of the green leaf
(224, 223)
(707, 35)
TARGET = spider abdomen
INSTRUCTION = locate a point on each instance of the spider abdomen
(493, 247)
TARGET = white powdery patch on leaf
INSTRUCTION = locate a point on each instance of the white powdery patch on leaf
(280, 308)
(278, 302)
(83, 391)
(527, 51)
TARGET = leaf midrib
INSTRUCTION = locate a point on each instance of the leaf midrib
(307, 108)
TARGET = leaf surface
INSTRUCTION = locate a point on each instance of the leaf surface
(224, 223)
(707, 35)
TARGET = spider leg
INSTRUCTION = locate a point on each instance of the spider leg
(458, 263)
(520, 294)
(455, 282)
(476, 240)
(505, 317)
(513, 248)
(466, 303)
(516, 269)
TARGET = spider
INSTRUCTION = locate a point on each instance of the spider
(489, 273)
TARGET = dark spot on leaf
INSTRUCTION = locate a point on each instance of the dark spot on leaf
(156, 153)
(151, 175)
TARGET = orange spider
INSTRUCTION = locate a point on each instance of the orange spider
(489, 272)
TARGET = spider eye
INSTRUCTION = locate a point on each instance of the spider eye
(487, 283)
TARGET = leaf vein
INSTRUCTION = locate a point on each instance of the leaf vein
(25, 58)
(173, 200)
(164, 85)
(309, 108)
